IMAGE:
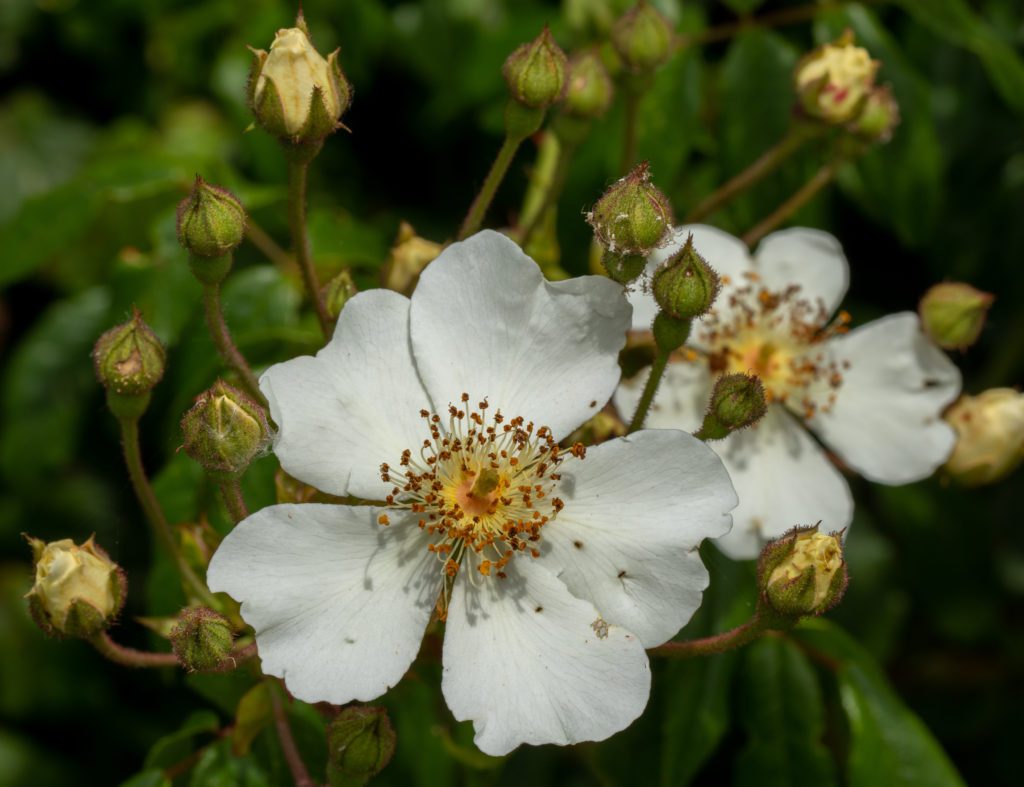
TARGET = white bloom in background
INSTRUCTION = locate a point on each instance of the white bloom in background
(554, 569)
(873, 395)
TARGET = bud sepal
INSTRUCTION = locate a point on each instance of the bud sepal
(737, 401)
(361, 742)
(802, 573)
(953, 314)
(685, 287)
(202, 640)
(225, 430)
(535, 72)
(633, 216)
(129, 359)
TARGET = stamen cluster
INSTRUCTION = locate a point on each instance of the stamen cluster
(781, 338)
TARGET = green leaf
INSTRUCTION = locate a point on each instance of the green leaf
(254, 713)
(218, 768)
(955, 21)
(43, 226)
(888, 744)
(48, 383)
(175, 747)
(782, 710)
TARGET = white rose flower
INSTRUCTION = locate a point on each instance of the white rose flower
(554, 571)
(874, 395)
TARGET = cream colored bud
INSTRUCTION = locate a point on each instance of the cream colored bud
(297, 70)
(78, 589)
(834, 81)
(409, 255)
(990, 436)
(810, 576)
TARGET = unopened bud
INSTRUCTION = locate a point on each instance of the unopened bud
(409, 255)
(295, 93)
(337, 292)
(589, 91)
(953, 314)
(737, 401)
(211, 221)
(879, 116)
(202, 640)
(225, 430)
(78, 590)
(633, 215)
(802, 573)
(129, 359)
(990, 436)
(535, 72)
(361, 742)
(833, 82)
(643, 38)
(685, 286)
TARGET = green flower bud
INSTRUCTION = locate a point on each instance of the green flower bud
(833, 82)
(535, 72)
(685, 286)
(129, 359)
(361, 742)
(211, 222)
(953, 314)
(202, 640)
(589, 90)
(295, 93)
(408, 257)
(225, 430)
(643, 38)
(633, 216)
(990, 436)
(803, 573)
(737, 401)
(78, 590)
(337, 292)
(879, 116)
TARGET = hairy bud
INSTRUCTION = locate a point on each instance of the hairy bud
(225, 430)
(337, 292)
(833, 82)
(129, 359)
(737, 401)
(202, 640)
(589, 91)
(685, 286)
(296, 94)
(632, 216)
(535, 72)
(211, 221)
(78, 590)
(953, 314)
(643, 38)
(361, 742)
(879, 116)
(990, 436)
(409, 255)
(803, 573)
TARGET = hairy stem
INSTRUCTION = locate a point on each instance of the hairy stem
(475, 217)
(298, 170)
(231, 491)
(225, 345)
(154, 513)
(801, 197)
(650, 389)
(284, 733)
(764, 165)
(266, 245)
(718, 643)
(130, 657)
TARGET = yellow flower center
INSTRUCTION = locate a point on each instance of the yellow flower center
(779, 337)
(483, 485)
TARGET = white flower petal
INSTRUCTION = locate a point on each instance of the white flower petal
(681, 401)
(528, 662)
(783, 479)
(636, 510)
(811, 258)
(887, 419)
(339, 603)
(485, 322)
(353, 406)
(725, 253)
